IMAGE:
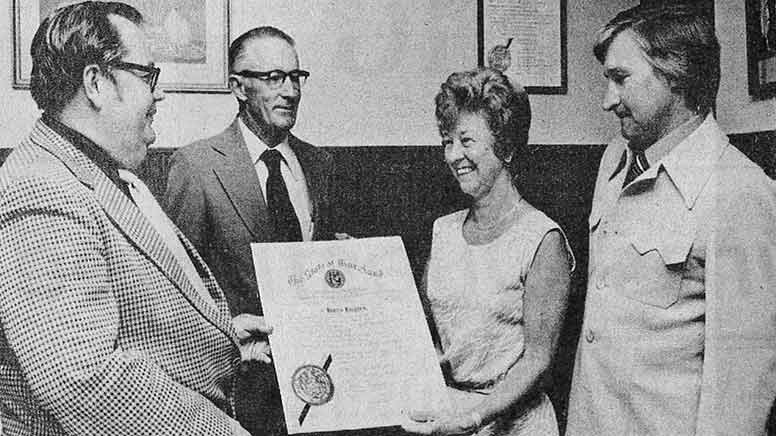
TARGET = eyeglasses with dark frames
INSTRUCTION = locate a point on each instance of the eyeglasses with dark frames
(150, 74)
(275, 78)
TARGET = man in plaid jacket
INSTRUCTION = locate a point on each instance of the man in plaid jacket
(111, 322)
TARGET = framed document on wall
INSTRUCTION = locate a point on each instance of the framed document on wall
(188, 38)
(526, 39)
(761, 47)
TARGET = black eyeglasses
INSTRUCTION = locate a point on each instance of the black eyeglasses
(149, 74)
(275, 78)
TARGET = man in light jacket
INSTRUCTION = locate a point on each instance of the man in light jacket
(679, 331)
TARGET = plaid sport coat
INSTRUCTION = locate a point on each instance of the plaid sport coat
(102, 333)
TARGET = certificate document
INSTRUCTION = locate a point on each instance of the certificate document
(351, 345)
(525, 40)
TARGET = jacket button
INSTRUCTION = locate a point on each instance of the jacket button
(600, 281)
(589, 336)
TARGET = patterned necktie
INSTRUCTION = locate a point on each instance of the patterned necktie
(281, 210)
(637, 166)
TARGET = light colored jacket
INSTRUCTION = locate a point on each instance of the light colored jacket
(679, 331)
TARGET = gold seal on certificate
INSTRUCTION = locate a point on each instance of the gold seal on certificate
(312, 384)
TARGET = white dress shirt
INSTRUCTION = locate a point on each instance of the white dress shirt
(292, 173)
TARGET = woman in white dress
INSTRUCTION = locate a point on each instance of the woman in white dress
(497, 280)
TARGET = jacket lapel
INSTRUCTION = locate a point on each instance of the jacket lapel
(314, 176)
(137, 228)
(221, 312)
(609, 184)
(238, 178)
(133, 224)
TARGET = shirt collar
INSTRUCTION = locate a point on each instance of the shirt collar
(688, 156)
(691, 162)
(256, 147)
(655, 152)
(90, 149)
(664, 145)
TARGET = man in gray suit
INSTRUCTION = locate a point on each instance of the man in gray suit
(253, 182)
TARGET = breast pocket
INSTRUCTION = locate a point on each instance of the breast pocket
(656, 267)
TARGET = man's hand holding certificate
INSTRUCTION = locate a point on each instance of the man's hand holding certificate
(351, 344)
(252, 333)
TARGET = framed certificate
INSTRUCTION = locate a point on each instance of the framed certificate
(525, 39)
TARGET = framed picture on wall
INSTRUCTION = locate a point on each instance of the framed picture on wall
(761, 47)
(526, 40)
(188, 38)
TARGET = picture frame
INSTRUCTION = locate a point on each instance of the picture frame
(526, 40)
(189, 40)
(761, 47)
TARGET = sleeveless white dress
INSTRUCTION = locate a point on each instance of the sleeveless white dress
(476, 299)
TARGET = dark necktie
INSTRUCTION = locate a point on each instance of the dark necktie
(637, 166)
(281, 210)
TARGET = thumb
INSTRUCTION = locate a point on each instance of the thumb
(422, 415)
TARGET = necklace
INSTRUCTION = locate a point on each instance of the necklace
(497, 223)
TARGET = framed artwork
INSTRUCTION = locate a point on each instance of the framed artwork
(525, 39)
(189, 40)
(761, 47)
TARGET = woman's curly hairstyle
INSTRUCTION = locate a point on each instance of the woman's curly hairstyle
(504, 106)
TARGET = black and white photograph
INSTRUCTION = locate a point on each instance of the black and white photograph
(388, 217)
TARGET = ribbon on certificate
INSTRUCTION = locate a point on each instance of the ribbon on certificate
(313, 385)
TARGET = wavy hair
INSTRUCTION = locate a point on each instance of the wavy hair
(489, 93)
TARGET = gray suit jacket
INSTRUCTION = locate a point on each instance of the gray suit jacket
(214, 196)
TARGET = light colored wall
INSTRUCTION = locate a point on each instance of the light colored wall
(577, 117)
(375, 65)
(574, 118)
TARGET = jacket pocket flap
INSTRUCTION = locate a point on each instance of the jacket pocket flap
(673, 248)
